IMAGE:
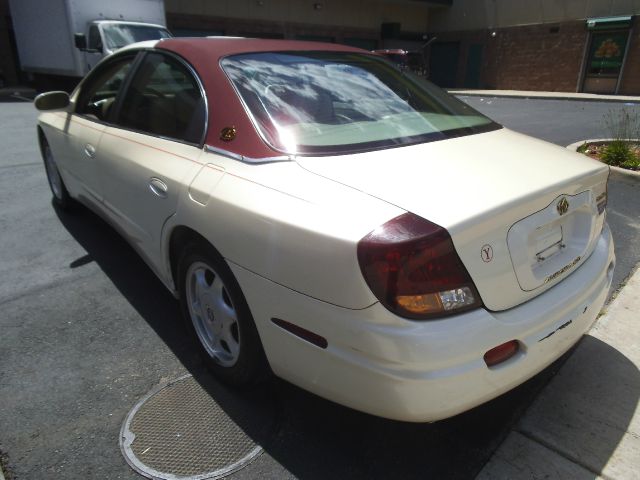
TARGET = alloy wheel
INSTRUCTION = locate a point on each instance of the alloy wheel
(213, 314)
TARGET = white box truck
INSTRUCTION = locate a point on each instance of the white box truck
(68, 37)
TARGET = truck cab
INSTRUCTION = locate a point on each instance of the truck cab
(103, 37)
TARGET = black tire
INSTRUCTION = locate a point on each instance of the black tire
(250, 365)
(59, 190)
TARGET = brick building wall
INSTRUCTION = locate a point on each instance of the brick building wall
(537, 57)
(543, 57)
(532, 57)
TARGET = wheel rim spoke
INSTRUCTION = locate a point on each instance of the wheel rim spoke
(232, 344)
(200, 283)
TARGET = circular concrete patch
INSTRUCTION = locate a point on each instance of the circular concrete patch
(194, 429)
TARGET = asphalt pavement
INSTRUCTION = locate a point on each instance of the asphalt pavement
(86, 330)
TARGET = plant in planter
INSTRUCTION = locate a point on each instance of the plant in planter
(619, 154)
(624, 127)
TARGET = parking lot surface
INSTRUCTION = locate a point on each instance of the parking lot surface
(86, 330)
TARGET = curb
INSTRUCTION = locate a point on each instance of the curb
(576, 97)
(574, 147)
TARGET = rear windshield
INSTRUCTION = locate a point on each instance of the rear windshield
(342, 102)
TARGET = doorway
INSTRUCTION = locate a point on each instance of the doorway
(474, 63)
(443, 63)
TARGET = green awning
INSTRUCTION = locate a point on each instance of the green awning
(603, 23)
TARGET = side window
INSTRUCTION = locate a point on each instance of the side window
(98, 95)
(164, 99)
(95, 42)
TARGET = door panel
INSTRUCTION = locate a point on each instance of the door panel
(84, 128)
(83, 135)
(68, 136)
(149, 157)
(143, 178)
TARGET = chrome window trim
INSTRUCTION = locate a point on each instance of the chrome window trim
(203, 93)
(244, 158)
(78, 91)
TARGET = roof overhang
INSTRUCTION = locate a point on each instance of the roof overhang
(604, 23)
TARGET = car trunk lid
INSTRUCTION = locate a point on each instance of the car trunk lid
(502, 197)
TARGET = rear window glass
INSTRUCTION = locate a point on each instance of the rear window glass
(337, 102)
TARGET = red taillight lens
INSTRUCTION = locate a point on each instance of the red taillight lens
(412, 267)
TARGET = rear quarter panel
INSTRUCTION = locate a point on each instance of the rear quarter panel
(285, 224)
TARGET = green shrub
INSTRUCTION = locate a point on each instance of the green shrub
(632, 164)
(618, 153)
(583, 148)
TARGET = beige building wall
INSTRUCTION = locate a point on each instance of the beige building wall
(364, 14)
(481, 14)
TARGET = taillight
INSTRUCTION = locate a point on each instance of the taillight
(412, 267)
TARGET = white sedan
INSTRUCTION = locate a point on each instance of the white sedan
(325, 216)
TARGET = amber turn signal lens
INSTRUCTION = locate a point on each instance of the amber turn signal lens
(427, 303)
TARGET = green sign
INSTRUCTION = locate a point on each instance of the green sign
(607, 50)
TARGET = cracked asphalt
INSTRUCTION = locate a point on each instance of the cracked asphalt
(86, 330)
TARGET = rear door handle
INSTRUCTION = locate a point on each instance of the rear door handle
(158, 187)
(90, 150)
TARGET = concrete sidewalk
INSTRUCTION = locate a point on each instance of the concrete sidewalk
(585, 97)
(585, 424)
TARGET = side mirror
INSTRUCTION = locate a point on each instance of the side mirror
(52, 101)
(80, 40)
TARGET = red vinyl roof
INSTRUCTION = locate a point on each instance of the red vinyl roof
(219, 47)
(225, 107)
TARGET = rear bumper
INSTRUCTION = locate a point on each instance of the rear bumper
(424, 371)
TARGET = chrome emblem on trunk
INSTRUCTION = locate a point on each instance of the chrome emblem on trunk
(562, 206)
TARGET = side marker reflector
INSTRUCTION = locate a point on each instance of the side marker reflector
(303, 333)
(501, 353)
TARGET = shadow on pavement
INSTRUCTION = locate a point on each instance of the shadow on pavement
(16, 97)
(313, 437)
(588, 408)
(131, 276)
